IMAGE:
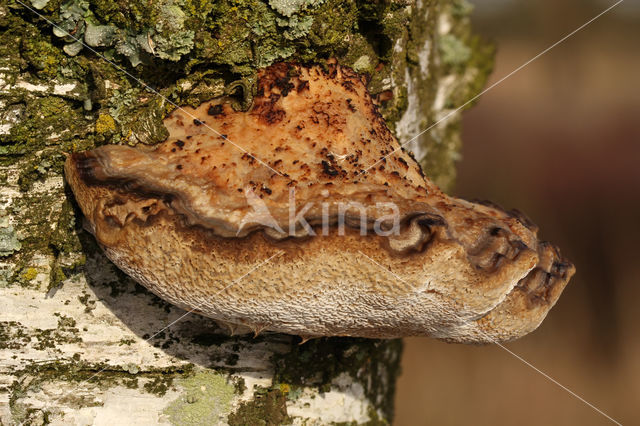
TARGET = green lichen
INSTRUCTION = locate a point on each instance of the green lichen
(295, 27)
(461, 8)
(100, 35)
(166, 37)
(453, 51)
(9, 242)
(171, 40)
(362, 64)
(478, 67)
(39, 4)
(289, 7)
(206, 399)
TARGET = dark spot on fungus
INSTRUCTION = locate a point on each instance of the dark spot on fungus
(303, 85)
(215, 110)
(329, 169)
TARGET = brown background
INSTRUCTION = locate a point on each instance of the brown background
(561, 141)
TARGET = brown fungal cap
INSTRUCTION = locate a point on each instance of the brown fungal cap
(207, 208)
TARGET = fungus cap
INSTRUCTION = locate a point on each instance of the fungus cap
(365, 251)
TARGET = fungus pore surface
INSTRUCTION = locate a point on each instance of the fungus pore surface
(303, 216)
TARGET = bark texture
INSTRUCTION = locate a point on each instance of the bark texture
(80, 342)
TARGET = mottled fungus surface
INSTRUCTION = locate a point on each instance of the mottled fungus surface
(364, 251)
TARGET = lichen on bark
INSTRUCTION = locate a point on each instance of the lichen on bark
(73, 314)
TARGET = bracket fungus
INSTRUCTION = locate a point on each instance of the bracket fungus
(368, 245)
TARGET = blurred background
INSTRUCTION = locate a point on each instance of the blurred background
(561, 141)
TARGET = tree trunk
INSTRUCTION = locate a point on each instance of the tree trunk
(80, 342)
